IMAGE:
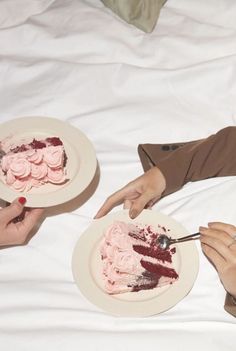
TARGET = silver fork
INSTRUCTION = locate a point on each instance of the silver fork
(164, 241)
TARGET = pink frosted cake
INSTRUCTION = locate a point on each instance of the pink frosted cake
(34, 164)
(132, 260)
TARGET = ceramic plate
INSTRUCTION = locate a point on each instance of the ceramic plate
(87, 267)
(81, 159)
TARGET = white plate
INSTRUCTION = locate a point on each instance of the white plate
(87, 266)
(81, 159)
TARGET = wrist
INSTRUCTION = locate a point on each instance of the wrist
(161, 178)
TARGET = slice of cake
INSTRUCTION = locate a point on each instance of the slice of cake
(34, 164)
(132, 259)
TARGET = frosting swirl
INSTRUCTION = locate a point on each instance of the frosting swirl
(56, 176)
(35, 156)
(117, 235)
(127, 261)
(39, 171)
(20, 167)
(53, 156)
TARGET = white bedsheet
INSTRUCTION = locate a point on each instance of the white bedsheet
(75, 61)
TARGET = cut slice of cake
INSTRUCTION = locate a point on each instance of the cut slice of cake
(132, 259)
(34, 164)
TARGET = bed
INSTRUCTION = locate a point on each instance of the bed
(75, 60)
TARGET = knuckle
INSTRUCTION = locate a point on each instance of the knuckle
(228, 226)
(214, 242)
(232, 228)
(16, 207)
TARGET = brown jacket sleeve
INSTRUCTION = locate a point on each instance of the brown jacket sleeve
(196, 160)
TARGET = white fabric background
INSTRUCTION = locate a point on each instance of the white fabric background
(75, 61)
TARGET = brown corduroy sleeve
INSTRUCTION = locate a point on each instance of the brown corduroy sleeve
(181, 163)
(196, 160)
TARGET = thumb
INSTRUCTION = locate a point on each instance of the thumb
(138, 205)
(13, 210)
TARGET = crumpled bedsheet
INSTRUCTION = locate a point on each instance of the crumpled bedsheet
(76, 61)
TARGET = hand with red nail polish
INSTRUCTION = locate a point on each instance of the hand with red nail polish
(16, 222)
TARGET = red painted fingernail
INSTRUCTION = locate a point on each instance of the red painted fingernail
(22, 200)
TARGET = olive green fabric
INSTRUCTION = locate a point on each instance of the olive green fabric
(141, 13)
